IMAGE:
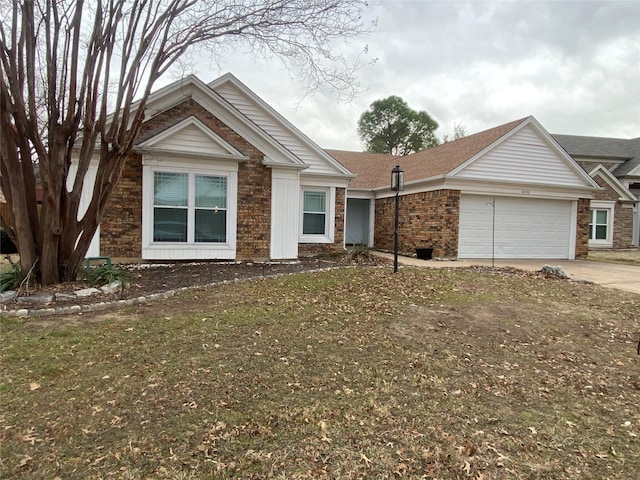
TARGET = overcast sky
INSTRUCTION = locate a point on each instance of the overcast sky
(573, 65)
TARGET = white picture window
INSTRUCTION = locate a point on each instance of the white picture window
(189, 208)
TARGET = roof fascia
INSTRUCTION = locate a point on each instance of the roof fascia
(192, 87)
(292, 129)
(546, 138)
(634, 172)
(518, 189)
(613, 182)
(186, 154)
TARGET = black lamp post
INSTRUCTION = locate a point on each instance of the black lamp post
(397, 184)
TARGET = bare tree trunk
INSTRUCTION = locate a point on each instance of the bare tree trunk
(71, 70)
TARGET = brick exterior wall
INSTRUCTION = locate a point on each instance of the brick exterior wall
(121, 229)
(622, 215)
(308, 249)
(582, 228)
(427, 219)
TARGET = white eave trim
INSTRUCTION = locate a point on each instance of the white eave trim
(188, 154)
(488, 187)
(187, 122)
(546, 138)
(267, 162)
(613, 182)
(292, 129)
(192, 87)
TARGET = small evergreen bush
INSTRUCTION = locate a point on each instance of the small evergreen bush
(10, 280)
(105, 274)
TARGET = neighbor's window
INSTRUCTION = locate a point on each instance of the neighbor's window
(314, 212)
(599, 224)
(189, 208)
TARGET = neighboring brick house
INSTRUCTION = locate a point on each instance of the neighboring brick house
(507, 192)
(614, 163)
(218, 174)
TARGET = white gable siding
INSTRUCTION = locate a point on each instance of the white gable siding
(281, 134)
(191, 139)
(526, 158)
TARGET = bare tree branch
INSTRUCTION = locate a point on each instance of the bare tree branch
(71, 70)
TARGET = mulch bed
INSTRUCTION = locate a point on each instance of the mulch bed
(148, 279)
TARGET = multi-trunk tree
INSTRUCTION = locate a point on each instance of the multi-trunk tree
(72, 69)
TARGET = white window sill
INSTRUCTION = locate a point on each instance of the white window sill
(600, 244)
(314, 239)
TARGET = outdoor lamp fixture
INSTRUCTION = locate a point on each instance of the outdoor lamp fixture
(397, 184)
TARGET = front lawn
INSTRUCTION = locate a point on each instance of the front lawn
(350, 373)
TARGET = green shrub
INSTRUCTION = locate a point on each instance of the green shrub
(10, 280)
(104, 274)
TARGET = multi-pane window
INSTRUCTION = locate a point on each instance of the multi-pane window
(599, 224)
(314, 213)
(189, 208)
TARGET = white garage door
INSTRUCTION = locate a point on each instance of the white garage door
(523, 227)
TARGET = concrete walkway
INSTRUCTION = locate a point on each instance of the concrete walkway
(622, 277)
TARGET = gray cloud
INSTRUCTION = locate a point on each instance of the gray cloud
(575, 66)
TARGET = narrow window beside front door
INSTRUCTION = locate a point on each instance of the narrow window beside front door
(598, 226)
(314, 213)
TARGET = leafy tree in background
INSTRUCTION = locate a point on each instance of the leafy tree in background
(391, 126)
(71, 69)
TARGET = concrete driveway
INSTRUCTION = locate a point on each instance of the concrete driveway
(622, 277)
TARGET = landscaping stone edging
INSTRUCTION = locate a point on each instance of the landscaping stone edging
(99, 306)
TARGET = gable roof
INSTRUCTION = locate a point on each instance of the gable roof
(613, 182)
(490, 155)
(276, 146)
(279, 128)
(374, 170)
(190, 137)
(621, 149)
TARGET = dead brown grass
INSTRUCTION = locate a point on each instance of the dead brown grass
(354, 373)
(626, 256)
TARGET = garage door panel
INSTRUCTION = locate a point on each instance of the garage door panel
(524, 228)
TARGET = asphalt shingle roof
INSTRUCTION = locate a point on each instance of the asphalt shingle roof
(373, 170)
(602, 147)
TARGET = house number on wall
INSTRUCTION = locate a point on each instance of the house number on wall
(525, 192)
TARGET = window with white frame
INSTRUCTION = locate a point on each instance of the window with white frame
(598, 224)
(601, 223)
(189, 208)
(317, 214)
(314, 213)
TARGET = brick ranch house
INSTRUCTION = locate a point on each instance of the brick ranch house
(510, 192)
(217, 174)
